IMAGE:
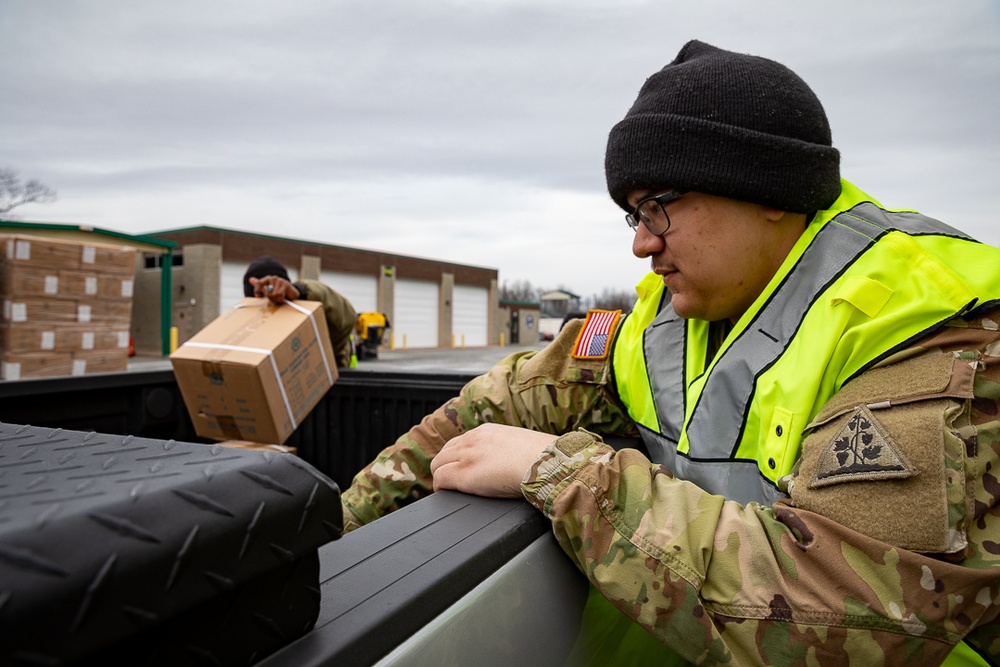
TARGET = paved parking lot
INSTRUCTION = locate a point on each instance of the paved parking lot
(469, 360)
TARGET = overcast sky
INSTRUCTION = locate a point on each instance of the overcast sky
(467, 131)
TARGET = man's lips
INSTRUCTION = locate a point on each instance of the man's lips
(664, 272)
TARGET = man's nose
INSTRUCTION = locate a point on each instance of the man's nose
(645, 243)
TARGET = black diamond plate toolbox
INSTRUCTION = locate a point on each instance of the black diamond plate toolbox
(121, 550)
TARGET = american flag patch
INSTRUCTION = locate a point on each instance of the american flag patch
(595, 336)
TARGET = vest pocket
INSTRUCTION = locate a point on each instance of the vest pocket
(884, 457)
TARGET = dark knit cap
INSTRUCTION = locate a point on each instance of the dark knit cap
(726, 124)
(261, 268)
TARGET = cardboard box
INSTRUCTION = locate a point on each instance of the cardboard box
(38, 251)
(107, 258)
(115, 287)
(39, 310)
(78, 284)
(42, 251)
(27, 282)
(14, 366)
(105, 313)
(110, 339)
(27, 338)
(256, 371)
(88, 362)
(27, 365)
(56, 337)
(91, 285)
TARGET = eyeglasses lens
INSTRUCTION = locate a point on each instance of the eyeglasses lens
(652, 215)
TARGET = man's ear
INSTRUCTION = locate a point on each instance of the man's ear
(793, 219)
(773, 214)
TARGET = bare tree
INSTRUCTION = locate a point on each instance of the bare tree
(612, 299)
(519, 290)
(13, 193)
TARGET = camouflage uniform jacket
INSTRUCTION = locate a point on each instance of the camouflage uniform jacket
(340, 317)
(873, 569)
(865, 572)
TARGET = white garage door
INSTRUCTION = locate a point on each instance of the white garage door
(231, 283)
(416, 318)
(361, 291)
(470, 315)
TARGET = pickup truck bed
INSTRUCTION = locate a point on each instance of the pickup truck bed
(451, 579)
(363, 412)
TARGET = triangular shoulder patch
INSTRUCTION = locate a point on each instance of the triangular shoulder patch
(861, 450)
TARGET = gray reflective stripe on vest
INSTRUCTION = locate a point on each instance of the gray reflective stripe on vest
(912, 223)
(736, 480)
(664, 342)
(714, 435)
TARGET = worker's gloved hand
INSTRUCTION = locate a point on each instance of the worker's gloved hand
(278, 290)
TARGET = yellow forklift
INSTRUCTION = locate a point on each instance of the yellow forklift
(369, 332)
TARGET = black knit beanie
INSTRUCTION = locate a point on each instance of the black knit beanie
(726, 124)
(261, 268)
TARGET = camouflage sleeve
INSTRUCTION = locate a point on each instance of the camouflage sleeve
(722, 583)
(340, 317)
(547, 391)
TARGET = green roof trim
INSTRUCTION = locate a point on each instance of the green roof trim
(57, 226)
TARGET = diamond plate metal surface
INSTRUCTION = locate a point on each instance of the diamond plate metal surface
(103, 538)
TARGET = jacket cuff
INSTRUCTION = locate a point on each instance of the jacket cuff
(557, 466)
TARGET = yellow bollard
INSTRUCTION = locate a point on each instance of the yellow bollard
(392, 341)
(173, 339)
(463, 341)
(404, 341)
(501, 340)
(453, 341)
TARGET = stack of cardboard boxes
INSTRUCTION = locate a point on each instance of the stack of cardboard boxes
(67, 307)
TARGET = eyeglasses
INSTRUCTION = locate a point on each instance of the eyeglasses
(650, 212)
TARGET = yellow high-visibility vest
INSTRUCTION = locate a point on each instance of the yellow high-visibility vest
(860, 284)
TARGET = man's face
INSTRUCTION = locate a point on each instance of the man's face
(718, 254)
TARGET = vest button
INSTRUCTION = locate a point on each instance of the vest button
(778, 430)
(770, 462)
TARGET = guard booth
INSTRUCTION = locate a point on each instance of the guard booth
(519, 320)
(555, 306)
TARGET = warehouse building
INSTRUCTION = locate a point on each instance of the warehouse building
(429, 303)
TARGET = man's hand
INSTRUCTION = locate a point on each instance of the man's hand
(278, 290)
(489, 460)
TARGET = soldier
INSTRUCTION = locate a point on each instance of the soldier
(815, 380)
(267, 277)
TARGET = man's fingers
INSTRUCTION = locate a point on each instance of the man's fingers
(272, 287)
(443, 477)
(450, 453)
